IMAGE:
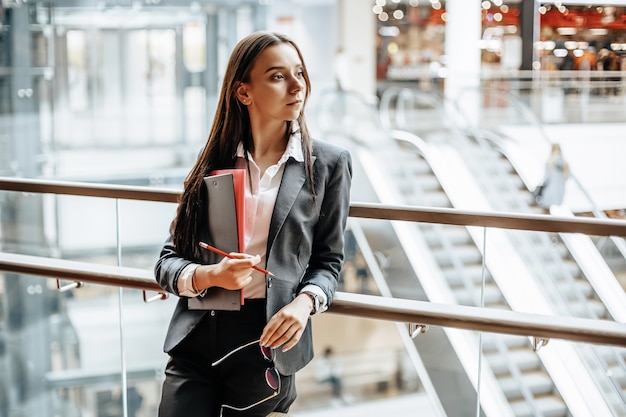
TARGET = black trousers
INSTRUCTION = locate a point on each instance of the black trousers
(195, 388)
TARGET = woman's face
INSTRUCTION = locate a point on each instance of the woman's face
(277, 87)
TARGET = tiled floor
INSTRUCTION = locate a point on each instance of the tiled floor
(402, 406)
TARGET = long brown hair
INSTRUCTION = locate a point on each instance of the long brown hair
(231, 125)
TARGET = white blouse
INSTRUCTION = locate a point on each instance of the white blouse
(260, 201)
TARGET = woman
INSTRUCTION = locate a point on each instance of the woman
(297, 200)
(555, 177)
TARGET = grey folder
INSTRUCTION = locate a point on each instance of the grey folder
(222, 221)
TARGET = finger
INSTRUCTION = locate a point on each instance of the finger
(285, 334)
(245, 263)
(268, 332)
(237, 255)
(293, 341)
(276, 332)
(238, 267)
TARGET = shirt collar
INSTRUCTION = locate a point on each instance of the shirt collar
(293, 150)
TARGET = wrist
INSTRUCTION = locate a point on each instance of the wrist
(194, 286)
(314, 300)
(185, 281)
(201, 279)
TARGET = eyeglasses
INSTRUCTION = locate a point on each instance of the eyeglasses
(272, 378)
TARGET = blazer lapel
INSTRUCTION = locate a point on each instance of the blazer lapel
(290, 186)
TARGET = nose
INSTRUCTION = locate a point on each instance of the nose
(298, 84)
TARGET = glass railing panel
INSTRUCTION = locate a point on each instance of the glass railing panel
(22, 216)
(140, 326)
(499, 109)
(557, 96)
(53, 342)
(94, 342)
(358, 274)
(143, 227)
(85, 228)
(563, 274)
(523, 271)
(376, 362)
(580, 97)
(89, 229)
(371, 362)
(426, 262)
(72, 352)
(136, 330)
(613, 250)
(75, 360)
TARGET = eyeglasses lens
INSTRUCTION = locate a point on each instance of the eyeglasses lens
(272, 378)
(267, 352)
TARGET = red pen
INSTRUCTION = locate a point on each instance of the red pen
(221, 252)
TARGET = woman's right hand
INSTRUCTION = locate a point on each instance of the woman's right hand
(230, 273)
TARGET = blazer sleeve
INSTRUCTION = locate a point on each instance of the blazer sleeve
(327, 253)
(169, 266)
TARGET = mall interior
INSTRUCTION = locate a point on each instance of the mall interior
(443, 104)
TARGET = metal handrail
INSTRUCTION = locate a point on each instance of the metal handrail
(503, 220)
(86, 189)
(369, 306)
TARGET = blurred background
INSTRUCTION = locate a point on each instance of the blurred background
(452, 104)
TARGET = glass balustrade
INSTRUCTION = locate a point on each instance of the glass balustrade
(96, 349)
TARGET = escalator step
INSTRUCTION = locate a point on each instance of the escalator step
(523, 359)
(547, 406)
(538, 382)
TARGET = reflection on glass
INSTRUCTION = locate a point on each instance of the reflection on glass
(194, 47)
(61, 351)
(356, 276)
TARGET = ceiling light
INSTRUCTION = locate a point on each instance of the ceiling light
(566, 31)
(598, 31)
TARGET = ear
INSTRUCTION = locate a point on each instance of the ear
(242, 94)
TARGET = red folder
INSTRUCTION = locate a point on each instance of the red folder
(239, 185)
(226, 219)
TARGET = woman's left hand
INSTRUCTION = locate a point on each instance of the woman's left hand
(286, 326)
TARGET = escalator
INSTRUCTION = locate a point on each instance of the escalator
(575, 276)
(444, 264)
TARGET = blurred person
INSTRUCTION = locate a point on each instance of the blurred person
(328, 371)
(341, 70)
(4, 400)
(553, 185)
(567, 64)
(586, 61)
(134, 400)
(342, 83)
(607, 60)
(362, 273)
(568, 61)
(242, 362)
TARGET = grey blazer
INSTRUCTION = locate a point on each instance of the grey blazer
(305, 246)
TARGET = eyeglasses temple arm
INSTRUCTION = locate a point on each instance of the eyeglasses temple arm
(217, 362)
